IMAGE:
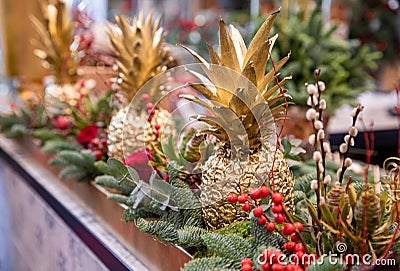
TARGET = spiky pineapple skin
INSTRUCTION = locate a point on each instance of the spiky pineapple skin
(223, 176)
(125, 134)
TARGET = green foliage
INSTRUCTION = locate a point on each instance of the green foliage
(344, 64)
(15, 125)
(76, 164)
(190, 236)
(241, 228)
(46, 134)
(56, 145)
(232, 246)
(124, 186)
(162, 229)
(261, 237)
(211, 264)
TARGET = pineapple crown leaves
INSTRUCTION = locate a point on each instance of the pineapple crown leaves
(139, 52)
(244, 120)
(250, 63)
(55, 45)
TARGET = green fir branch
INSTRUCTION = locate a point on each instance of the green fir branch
(161, 229)
(227, 246)
(212, 264)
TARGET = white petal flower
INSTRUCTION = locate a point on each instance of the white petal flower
(348, 162)
(321, 134)
(321, 85)
(353, 131)
(309, 101)
(314, 184)
(327, 147)
(322, 104)
(343, 148)
(321, 166)
(312, 89)
(327, 179)
(317, 156)
(311, 139)
(311, 114)
(346, 138)
(318, 125)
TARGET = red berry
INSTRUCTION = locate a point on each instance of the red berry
(245, 261)
(262, 220)
(275, 256)
(255, 194)
(247, 267)
(242, 198)
(276, 208)
(246, 207)
(146, 97)
(314, 256)
(277, 198)
(270, 227)
(277, 267)
(288, 229)
(266, 267)
(264, 191)
(298, 226)
(290, 246)
(149, 106)
(300, 256)
(290, 267)
(258, 211)
(157, 126)
(157, 133)
(232, 198)
(294, 237)
(299, 247)
(279, 218)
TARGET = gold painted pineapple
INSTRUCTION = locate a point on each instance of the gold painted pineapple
(241, 122)
(140, 55)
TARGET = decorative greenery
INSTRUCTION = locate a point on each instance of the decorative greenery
(312, 44)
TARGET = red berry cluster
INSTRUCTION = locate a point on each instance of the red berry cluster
(272, 260)
(98, 147)
(259, 193)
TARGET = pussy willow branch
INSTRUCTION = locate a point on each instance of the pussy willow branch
(351, 138)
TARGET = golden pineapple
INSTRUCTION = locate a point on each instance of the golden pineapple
(241, 122)
(137, 131)
(140, 55)
(56, 47)
(60, 55)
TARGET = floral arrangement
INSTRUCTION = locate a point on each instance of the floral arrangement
(245, 208)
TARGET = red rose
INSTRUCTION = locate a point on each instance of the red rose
(60, 122)
(140, 162)
(86, 135)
